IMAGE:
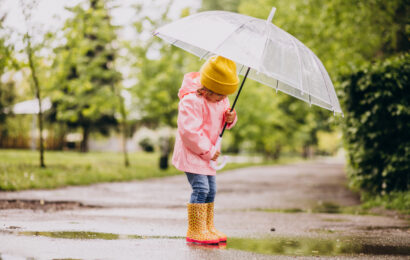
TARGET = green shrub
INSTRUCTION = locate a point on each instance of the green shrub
(147, 145)
(397, 200)
(377, 125)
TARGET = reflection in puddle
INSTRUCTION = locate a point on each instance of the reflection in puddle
(203, 246)
(313, 246)
(92, 235)
(304, 246)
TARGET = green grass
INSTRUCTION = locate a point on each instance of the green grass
(323, 207)
(397, 200)
(19, 169)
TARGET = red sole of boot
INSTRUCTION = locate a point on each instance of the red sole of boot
(207, 242)
(222, 240)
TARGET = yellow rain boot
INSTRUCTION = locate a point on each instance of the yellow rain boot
(197, 231)
(210, 223)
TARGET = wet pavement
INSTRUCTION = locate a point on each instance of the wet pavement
(270, 212)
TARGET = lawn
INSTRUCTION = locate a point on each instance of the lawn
(19, 169)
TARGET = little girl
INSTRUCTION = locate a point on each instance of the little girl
(203, 111)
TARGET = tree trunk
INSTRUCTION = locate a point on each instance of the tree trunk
(163, 162)
(276, 153)
(38, 95)
(307, 151)
(124, 131)
(84, 142)
(124, 144)
(165, 144)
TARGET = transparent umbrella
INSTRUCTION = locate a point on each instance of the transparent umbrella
(261, 50)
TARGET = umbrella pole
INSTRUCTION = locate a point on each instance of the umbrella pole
(236, 98)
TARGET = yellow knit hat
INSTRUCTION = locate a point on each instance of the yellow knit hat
(218, 74)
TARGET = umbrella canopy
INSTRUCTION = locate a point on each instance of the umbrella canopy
(275, 58)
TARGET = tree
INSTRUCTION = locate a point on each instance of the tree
(124, 126)
(158, 78)
(86, 79)
(344, 34)
(30, 52)
(7, 93)
(225, 5)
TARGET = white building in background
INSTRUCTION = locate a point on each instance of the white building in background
(31, 107)
(112, 143)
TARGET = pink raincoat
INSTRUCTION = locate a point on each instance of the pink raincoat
(199, 124)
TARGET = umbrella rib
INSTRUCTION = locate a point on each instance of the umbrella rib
(206, 53)
(241, 69)
(300, 63)
(229, 35)
(327, 88)
(265, 46)
(219, 45)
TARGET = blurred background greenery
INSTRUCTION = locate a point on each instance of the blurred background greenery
(100, 81)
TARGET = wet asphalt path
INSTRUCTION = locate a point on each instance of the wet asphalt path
(247, 205)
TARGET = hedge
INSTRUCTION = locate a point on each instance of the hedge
(376, 102)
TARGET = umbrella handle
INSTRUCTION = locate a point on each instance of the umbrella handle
(212, 163)
(218, 167)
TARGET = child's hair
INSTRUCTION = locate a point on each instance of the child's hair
(200, 91)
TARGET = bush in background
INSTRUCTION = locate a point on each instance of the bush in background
(377, 125)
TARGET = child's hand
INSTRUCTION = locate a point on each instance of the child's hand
(230, 116)
(216, 155)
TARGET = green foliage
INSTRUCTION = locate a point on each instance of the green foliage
(329, 142)
(7, 99)
(147, 145)
(84, 91)
(344, 34)
(274, 124)
(159, 68)
(225, 5)
(334, 30)
(395, 201)
(7, 89)
(377, 121)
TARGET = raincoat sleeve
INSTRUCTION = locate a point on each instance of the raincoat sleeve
(190, 119)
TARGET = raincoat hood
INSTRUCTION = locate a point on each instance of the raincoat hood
(190, 84)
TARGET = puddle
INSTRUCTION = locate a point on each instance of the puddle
(322, 207)
(42, 205)
(304, 246)
(293, 246)
(200, 246)
(91, 235)
(290, 210)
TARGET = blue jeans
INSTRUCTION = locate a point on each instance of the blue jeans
(203, 188)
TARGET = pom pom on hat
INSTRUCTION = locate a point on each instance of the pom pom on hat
(218, 74)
